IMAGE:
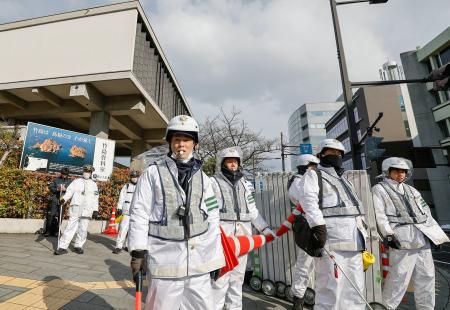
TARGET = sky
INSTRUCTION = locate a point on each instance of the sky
(266, 57)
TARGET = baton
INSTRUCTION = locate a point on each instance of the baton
(348, 279)
(139, 284)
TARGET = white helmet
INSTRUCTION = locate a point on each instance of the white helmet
(231, 152)
(306, 159)
(183, 124)
(330, 144)
(398, 163)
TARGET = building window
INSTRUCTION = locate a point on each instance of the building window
(407, 129)
(304, 127)
(355, 112)
(348, 164)
(445, 56)
(346, 143)
(402, 104)
(443, 126)
(317, 126)
(359, 134)
(306, 140)
(338, 129)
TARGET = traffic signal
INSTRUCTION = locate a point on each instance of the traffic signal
(440, 78)
(371, 148)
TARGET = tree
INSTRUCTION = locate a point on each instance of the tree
(9, 140)
(227, 130)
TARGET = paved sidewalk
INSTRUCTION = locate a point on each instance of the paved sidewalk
(31, 277)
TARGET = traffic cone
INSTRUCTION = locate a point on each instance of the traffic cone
(111, 229)
(384, 260)
(231, 260)
(287, 224)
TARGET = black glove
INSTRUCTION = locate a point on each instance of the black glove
(393, 242)
(214, 274)
(119, 212)
(95, 215)
(138, 262)
(319, 236)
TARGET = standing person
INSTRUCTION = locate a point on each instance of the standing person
(335, 217)
(238, 212)
(123, 207)
(174, 221)
(57, 187)
(83, 196)
(404, 219)
(304, 265)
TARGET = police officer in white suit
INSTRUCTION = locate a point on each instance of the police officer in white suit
(123, 208)
(335, 216)
(237, 210)
(405, 221)
(83, 196)
(304, 264)
(174, 226)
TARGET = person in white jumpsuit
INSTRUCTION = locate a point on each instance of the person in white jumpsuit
(123, 208)
(83, 196)
(174, 226)
(404, 220)
(238, 212)
(304, 265)
(329, 201)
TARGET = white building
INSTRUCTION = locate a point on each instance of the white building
(306, 125)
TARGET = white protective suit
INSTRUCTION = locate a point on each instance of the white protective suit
(83, 196)
(346, 237)
(126, 194)
(178, 271)
(303, 270)
(228, 288)
(414, 260)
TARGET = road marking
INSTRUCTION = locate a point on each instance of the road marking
(53, 294)
(438, 261)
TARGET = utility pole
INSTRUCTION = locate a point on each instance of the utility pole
(282, 153)
(347, 90)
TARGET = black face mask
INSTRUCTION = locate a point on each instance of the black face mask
(334, 161)
(232, 176)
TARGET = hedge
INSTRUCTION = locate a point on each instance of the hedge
(25, 194)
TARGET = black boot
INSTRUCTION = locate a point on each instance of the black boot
(78, 250)
(298, 303)
(117, 251)
(60, 252)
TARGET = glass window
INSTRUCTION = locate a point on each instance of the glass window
(407, 129)
(444, 128)
(445, 56)
(402, 104)
(355, 112)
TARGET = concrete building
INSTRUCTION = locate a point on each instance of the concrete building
(432, 114)
(306, 125)
(395, 128)
(99, 71)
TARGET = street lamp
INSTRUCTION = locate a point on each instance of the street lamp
(346, 85)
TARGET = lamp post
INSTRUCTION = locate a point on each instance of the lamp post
(346, 85)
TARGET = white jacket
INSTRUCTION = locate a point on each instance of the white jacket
(235, 228)
(83, 196)
(166, 258)
(125, 197)
(410, 236)
(343, 233)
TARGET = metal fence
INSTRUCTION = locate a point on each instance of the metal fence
(276, 260)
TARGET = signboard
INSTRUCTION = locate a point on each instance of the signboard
(49, 149)
(305, 148)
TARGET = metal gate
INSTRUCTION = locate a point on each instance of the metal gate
(276, 260)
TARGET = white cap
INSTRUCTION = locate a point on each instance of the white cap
(306, 159)
(330, 144)
(231, 152)
(397, 163)
(183, 124)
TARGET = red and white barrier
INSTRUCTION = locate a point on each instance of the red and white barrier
(287, 224)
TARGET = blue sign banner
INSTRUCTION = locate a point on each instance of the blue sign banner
(49, 149)
(305, 148)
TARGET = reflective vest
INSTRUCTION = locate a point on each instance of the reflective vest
(348, 202)
(172, 226)
(234, 202)
(408, 211)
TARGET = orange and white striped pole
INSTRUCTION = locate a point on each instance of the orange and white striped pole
(384, 260)
(287, 224)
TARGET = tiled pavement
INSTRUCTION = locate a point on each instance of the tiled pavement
(31, 277)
